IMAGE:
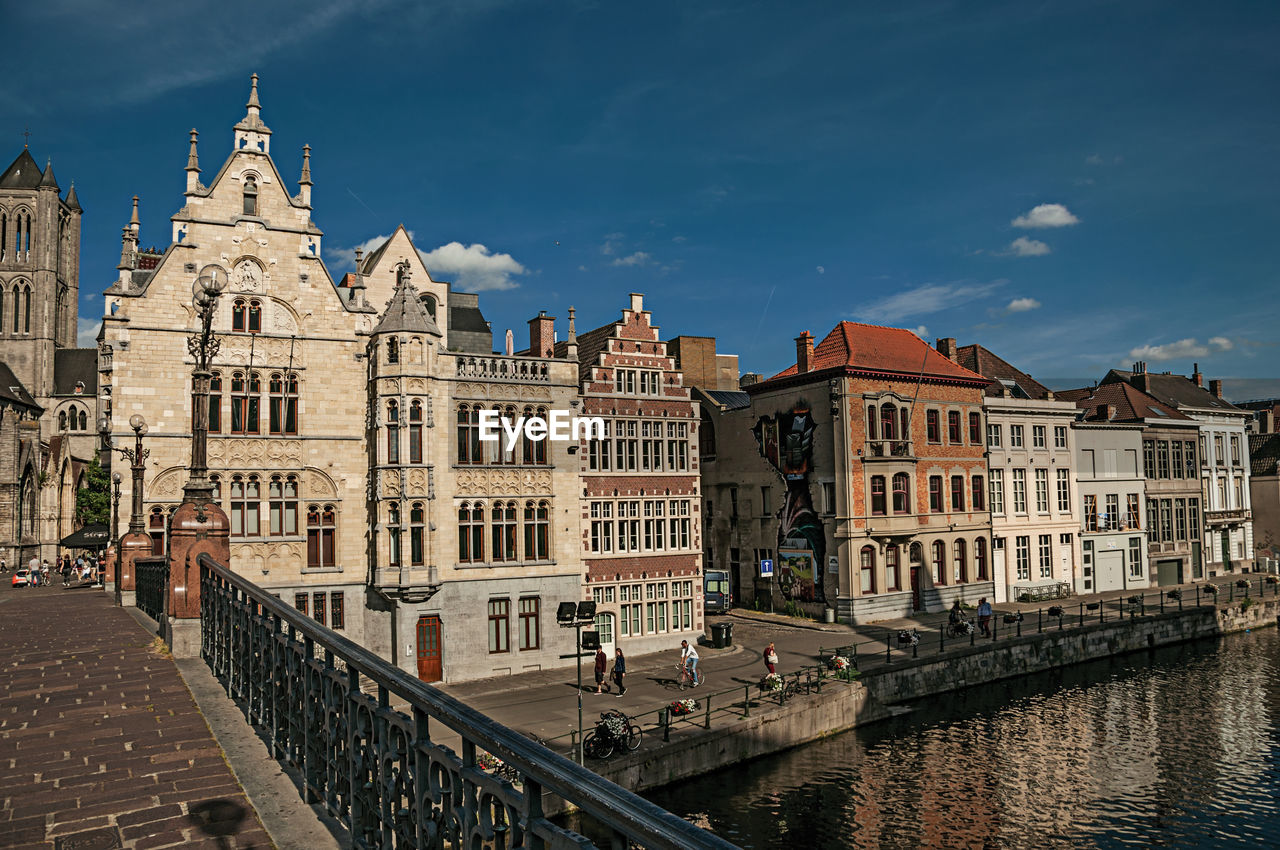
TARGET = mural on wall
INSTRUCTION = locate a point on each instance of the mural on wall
(786, 442)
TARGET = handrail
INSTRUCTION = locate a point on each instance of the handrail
(629, 816)
(151, 580)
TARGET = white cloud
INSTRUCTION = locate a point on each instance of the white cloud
(473, 266)
(639, 258)
(679, 239)
(1170, 351)
(1093, 159)
(1046, 215)
(1221, 343)
(930, 298)
(87, 332)
(343, 259)
(611, 242)
(921, 331)
(1024, 247)
(1022, 305)
(822, 269)
(582, 268)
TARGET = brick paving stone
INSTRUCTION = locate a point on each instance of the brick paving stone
(98, 730)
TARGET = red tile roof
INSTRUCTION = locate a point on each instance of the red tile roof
(875, 348)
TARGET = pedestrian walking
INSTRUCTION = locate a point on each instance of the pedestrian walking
(4, 565)
(66, 572)
(602, 663)
(770, 658)
(984, 616)
(620, 670)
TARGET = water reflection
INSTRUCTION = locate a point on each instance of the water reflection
(1180, 747)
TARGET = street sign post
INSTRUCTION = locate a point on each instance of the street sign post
(766, 571)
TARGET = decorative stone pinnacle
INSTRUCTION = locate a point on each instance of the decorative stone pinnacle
(253, 93)
(134, 224)
(306, 166)
(193, 160)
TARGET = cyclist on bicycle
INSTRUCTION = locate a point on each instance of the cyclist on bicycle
(689, 660)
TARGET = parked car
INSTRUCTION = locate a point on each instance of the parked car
(22, 578)
(716, 597)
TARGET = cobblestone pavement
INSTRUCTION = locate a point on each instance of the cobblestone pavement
(101, 745)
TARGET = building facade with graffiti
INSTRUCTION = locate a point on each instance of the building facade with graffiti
(860, 472)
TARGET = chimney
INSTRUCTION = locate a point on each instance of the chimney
(747, 379)
(1266, 422)
(1215, 387)
(1196, 377)
(542, 335)
(946, 347)
(637, 303)
(804, 352)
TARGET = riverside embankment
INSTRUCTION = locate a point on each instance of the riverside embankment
(697, 746)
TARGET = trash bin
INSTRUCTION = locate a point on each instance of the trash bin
(828, 615)
(728, 634)
(718, 635)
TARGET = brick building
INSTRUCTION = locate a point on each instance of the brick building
(861, 472)
(641, 536)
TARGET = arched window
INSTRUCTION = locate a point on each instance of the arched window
(238, 309)
(250, 195)
(17, 309)
(393, 350)
(537, 531)
(215, 403)
(504, 451)
(283, 406)
(877, 495)
(27, 505)
(961, 571)
(939, 562)
(471, 533)
(503, 525)
(26, 243)
(17, 243)
(246, 505)
(255, 317)
(244, 403)
(4, 239)
(216, 481)
(415, 349)
(535, 452)
(867, 569)
(888, 422)
(415, 431)
(469, 450)
(901, 493)
(872, 430)
(417, 535)
(322, 529)
(84, 421)
(980, 557)
(916, 553)
(62, 420)
(156, 529)
(891, 568)
(429, 302)
(2, 289)
(393, 431)
(393, 535)
(283, 493)
(26, 308)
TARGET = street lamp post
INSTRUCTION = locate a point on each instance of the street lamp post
(137, 457)
(203, 347)
(574, 616)
(115, 521)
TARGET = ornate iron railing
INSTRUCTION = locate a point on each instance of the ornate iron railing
(323, 703)
(151, 581)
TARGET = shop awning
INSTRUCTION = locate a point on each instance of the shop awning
(89, 537)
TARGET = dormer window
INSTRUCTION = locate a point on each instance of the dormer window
(250, 195)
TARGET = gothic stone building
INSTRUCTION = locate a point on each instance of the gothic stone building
(343, 427)
(48, 387)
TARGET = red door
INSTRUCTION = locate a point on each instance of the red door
(429, 657)
(915, 589)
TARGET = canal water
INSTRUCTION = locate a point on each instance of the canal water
(1179, 747)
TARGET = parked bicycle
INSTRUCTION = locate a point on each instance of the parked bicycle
(689, 677)
(614, 731)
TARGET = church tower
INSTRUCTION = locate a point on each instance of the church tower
(39, 272)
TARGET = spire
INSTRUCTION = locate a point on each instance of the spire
(405, 313)
(47, 181)
(193, 158)
(253, 103)
(357, 282)
(128, 249)
(134, 224)
(571, 341)
(305, 180)
(72, 201)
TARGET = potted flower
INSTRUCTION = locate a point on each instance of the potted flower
(683, 706)
(487, 761)
(614, 726)
(1174, 594)
(1211, 589)
(771, 682)
(837, 663)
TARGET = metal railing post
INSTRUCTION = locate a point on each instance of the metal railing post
(664, 718)
(1039, 621)
(746, 700)
(706, 723)
(888, 647)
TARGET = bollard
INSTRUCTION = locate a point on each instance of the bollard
(664, 720)
(706, 723)
(746, 700)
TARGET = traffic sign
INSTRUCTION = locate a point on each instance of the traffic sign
(766, 568)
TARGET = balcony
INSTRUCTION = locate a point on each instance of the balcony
(890, 449)
(503, 369)
(1230, 517)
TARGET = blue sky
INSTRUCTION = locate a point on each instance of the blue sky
(1074, 185)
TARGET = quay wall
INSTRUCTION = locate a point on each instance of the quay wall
(840, 706)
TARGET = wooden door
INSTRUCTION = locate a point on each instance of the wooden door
(915, 588)
(430, 659)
